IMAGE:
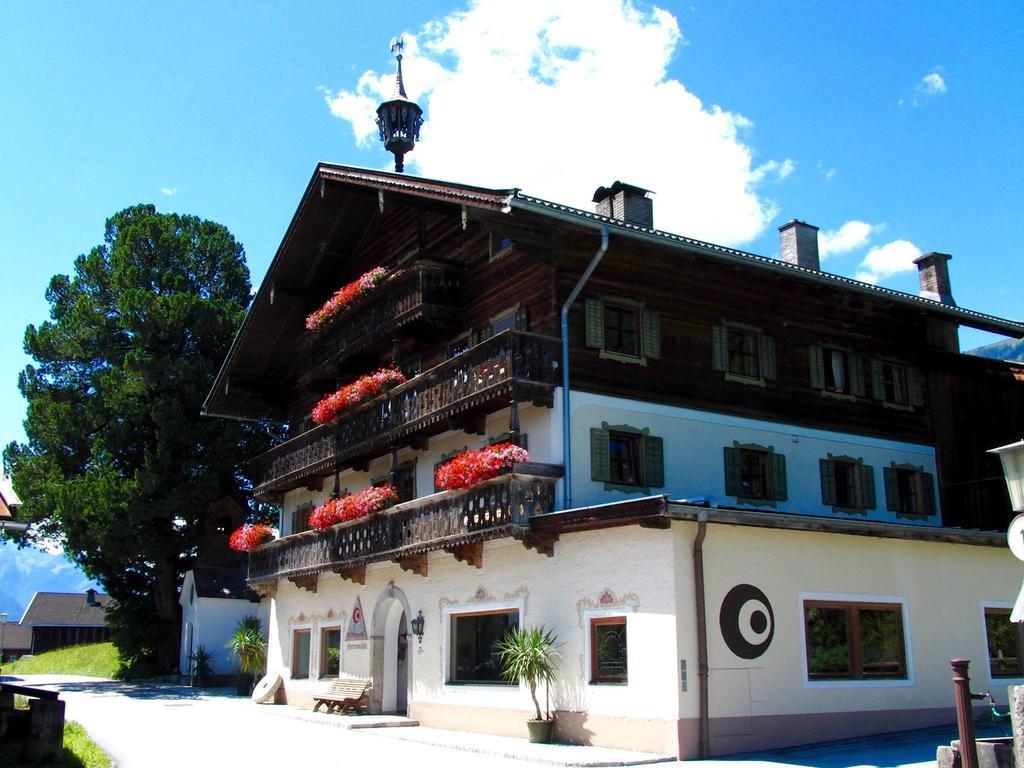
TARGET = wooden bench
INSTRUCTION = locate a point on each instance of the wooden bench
(346, 694)
(40, 730)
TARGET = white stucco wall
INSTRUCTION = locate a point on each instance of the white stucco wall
(212, 621)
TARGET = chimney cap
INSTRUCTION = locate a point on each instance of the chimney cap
(796, 222)
(602, 193)
(931, 258)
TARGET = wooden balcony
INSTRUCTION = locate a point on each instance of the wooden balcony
(428, 291)
(459, 393)
(457, 521)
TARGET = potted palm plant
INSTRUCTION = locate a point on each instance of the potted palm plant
(202, 667)
(248, 646)
(530, 655)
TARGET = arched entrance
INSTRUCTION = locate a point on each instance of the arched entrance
(389, 648)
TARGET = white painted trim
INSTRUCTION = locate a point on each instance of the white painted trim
(983, 653)
(292, 629)
(604, 613)
(908, 645)
(519, 605)
(315, 662)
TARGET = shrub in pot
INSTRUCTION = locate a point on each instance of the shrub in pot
(201, 660)
(248, 646)
(530, 655)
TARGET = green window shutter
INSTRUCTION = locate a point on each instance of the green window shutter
(928, 493)
(595, 323)
(523, 319)
(654, 462)
(892, 491)
(767, 357)
(857, 385)
(777, 476)
(719, 349)
(828, 482)
(733, 483)
(817, 363)
(485, 333)
(877, 384)
(867, 487)
(295, 521)
(652, 334)
(915, 386)
(474, 339)
(599, 459)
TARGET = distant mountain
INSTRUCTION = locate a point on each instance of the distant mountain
(1008, 349)
(23, 572)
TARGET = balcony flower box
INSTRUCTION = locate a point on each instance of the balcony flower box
(345, 297)
(473, 467)
(249, 537)
(352, 506)
(364, 388)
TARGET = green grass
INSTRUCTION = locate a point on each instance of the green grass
(79, 752)
(98, 660)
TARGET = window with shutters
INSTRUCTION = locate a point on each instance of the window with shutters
(404, 481)
(300, 518)
(626, 459)
(837, 372)
(847, 484)
(623, 329)
(755, 474)
(897, 384)
(743, 353)
(512, 319)
(909, 491)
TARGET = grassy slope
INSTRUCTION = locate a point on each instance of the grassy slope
(99, 660)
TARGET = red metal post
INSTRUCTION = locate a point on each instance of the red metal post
(964, 713)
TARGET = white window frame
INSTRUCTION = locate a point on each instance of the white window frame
(321, 627)
(292, 629)
(449, 611)
(1003, 606)
(908, 645)
(588, 662)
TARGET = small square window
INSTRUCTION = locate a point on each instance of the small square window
(894, 384)
(755, 474)
(909, 491)
(404, 481)
(754, 479)
(300, 654)
(624, 458)
(473, 637)
(608, 650)
(621, 329)
(330, 652)
(744, 352)
(837, 371)
(1004, 644)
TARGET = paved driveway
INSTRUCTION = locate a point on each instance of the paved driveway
(151, 726)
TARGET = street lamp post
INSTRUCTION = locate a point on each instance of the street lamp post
(3, 623)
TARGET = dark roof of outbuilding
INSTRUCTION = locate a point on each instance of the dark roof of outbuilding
(218, 581)
(17, 637)
(64, 609)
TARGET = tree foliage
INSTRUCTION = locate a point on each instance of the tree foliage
(119, 466)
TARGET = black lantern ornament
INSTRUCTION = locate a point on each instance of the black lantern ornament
(399, 119)
(417, 626)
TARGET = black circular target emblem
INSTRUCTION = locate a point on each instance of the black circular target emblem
(747, 621)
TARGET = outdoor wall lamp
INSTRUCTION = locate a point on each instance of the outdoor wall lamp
(417, 626)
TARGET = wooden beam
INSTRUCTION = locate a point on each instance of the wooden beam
(413, 563)
(265, 588)
(419, 442)
(660, 523)
(470, 554)
(470, 423)
(354, 573)
(305, 582)
(544, 543)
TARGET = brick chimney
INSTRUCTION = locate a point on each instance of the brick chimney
(798, 243)
(626, 203)
(933, 272)
(90, 597)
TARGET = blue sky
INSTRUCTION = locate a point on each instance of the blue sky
(895, 127)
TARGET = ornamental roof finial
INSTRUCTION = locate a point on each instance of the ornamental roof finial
(399, 119)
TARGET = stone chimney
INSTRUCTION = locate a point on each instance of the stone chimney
(90, 597)
(798, 243)
(625, 203)
(933, 272)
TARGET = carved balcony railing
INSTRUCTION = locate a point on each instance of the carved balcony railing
(427, 290)
(496, 508)
(513, 365)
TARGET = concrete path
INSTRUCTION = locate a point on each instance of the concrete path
(152, 726)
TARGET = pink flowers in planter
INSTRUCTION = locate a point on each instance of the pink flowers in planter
(363, 388)
(250, 536)
(352, 506)
(345, 296)
(472, 467)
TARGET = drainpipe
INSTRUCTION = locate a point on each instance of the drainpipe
(702, 630)
(566, 440)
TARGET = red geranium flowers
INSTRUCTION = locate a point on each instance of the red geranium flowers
(345, 296)
(249, 536)
(363, 388)
(472, 467)
(352, 506)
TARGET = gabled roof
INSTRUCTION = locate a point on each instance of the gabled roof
(254, 353)
(64, 609)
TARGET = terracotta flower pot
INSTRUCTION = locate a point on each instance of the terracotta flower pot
(540, 731)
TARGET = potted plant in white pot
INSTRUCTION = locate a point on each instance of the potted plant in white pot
(249, 647)
(531, 655)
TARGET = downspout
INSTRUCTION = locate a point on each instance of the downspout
(566, 440)
(702, 631)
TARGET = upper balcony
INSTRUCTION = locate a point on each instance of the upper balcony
(427, 291)
(512, 366)
(455, 521)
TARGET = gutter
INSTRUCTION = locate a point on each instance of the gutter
(566, 439)
(702, 632)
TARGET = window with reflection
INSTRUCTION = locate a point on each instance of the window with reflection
(854, 641)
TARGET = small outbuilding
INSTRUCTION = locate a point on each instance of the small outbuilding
(62, 619)
(214, 599)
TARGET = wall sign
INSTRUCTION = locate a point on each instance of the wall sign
(747, 621)
(356, 627)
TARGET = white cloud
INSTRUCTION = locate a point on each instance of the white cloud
(887, 260)
(932, 84)
(849, 237)
(828, 173)
(562, 97)
(169, 191)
